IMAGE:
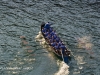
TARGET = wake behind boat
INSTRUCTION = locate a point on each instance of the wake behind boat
(58, 47)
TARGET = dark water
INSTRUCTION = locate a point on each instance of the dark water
(77, 22)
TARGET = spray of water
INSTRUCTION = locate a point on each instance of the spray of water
(63, 70)
(84, 42)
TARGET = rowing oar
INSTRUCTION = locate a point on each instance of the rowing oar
(65, 58)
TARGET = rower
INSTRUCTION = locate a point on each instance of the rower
(50, 29)
(52, 33)
(49, 36)
(46, 34)
(58, 40)
(63, 47)
(53, 44)
(56, 47)
(44, 30)
(51, 40)
(55, 36)
(59, 44)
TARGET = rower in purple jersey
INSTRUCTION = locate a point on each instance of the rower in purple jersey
(46, 34)
(56, 47)
(44, 30)
(63, 47)
(53, 44)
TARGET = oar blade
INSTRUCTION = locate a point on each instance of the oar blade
(66, 59)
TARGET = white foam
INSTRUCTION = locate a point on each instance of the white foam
(80, 60)
(63, 70)
(84, 42)
(39, 36)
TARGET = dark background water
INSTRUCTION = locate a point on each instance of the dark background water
(77, 22)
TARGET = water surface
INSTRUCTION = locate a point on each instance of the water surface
(77, 23)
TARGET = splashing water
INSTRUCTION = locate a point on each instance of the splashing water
(63, 67)
(39, 37)
(84, 42)
(63, 70)
(80, 60)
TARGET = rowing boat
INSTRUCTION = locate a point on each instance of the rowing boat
(64, 54)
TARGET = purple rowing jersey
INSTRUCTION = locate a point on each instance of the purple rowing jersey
(54, 36)
(63, 47)
(53, 44)
(59, 44)
(57, 39)
(46, 34)
(51, 40)
(50, 30)
(56, 47)
(52, 33)
(44, 30)
(49, 37)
